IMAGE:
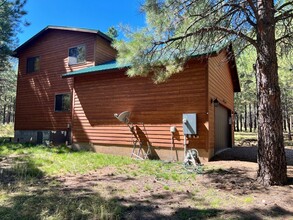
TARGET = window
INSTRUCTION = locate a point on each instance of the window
(32, 64)
(76, 55)
(62, 102)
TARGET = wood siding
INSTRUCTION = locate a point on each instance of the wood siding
(220, 86)
(36, 91)
(99, 96)
(104, 51)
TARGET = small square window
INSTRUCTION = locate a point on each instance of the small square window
(32, 64)
(62, 102)
(76, 55)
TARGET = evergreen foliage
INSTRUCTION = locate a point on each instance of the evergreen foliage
(11, 19)
(177, 29)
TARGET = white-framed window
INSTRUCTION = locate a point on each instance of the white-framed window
(62, 102)
(76, 55)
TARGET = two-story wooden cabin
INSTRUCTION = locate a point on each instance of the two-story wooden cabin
(70, 87)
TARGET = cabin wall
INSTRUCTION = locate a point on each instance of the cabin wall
(220, 86)
(104, 51)
(154, 108)
(36, 91)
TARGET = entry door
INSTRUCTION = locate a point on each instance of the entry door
(222, 128)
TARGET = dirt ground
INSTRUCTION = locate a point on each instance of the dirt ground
(226, 190)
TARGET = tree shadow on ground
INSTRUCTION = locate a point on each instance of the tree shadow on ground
(54, 203)
(18, 169)
(232, 179)
(248, 154)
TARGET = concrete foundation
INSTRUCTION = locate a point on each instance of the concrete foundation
(160, 153)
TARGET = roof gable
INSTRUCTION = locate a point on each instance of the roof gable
(50, 27)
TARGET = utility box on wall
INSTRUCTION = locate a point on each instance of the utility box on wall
(189, 124)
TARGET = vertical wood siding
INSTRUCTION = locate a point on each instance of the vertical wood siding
(36, 91)
(99, 96)
(220, 86)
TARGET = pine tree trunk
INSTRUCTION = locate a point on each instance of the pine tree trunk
(245, 118)
(289, 128)
(284, 122)
(237, 123)
(14, 105)
(255, 117)
(250, 118)
(4, 111)
(271, 153)
(287, 118)
(241, 124)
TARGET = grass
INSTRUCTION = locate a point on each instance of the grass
(61, 160)
(7, 130)
(22, 196)
(57, 205)
(239, 136)
(30, 187)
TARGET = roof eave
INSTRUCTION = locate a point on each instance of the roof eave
(233, 69)
(68, 75)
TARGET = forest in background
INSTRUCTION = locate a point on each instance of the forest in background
(246, 100)
(8, 79)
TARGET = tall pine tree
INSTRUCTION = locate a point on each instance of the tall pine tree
(177, 28)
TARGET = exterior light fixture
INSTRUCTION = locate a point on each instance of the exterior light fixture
(215, 101)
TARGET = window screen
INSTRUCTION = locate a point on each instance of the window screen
(76, 55)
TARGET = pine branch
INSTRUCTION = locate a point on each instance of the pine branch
(284, 5)
(207, 30)
(284, 16)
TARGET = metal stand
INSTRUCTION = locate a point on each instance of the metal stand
(138, 150)
(138, 139)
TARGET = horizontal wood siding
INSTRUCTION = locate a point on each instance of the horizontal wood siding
(101, 95)
(104, 51)
(36, 91)
(220, 87)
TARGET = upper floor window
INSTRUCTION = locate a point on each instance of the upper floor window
(32, 64)
(62, 102)
(76, 55)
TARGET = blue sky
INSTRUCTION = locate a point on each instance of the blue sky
(93, 14)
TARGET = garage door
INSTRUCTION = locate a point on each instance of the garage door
(222, 129)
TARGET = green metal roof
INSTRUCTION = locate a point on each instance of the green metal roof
(111, 65)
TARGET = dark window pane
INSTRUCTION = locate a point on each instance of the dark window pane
(58, 103)
(33, 64)
(62, 102)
